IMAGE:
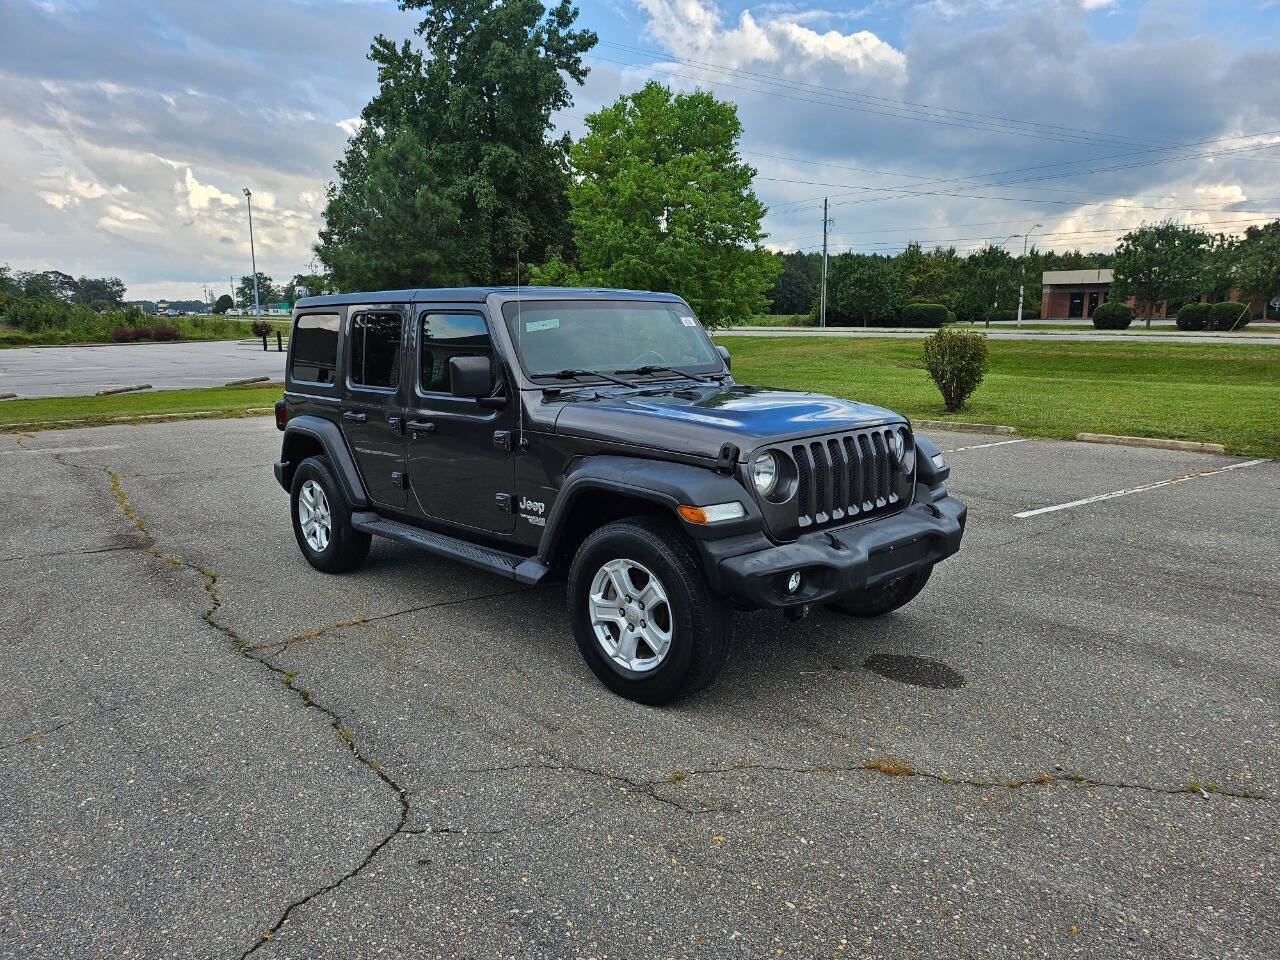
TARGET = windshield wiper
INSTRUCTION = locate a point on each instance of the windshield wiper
(657, 368)
(578, 374)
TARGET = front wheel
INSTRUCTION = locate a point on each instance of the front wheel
(879, 600)
(644, 617)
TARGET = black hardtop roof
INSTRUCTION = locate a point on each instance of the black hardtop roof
(479, 295)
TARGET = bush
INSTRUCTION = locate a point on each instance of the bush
(165, 331)
(1194, 316)
(261, 328)
(957, 360)
(923, 315)
(1112, 315)
(1229, 315)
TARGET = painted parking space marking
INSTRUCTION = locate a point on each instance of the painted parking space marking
(113, 446)
(1146, 486)
(983, 446)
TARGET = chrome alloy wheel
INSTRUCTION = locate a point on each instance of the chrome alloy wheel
(314, 517)
(631, 615)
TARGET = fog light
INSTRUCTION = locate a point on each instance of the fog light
(793, 582)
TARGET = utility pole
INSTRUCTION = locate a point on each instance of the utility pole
(253, 257)
(826, 226)
(1022, 285)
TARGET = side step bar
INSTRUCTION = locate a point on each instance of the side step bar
(522, 569)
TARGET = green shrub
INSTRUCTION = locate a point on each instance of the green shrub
(1229, 315)
(1002, 316)
(923, 315)
(957, 360)
(261, 328)
(1112, 315)
(1194, 316)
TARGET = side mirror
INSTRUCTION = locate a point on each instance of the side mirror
(470, 376)
(724, 355)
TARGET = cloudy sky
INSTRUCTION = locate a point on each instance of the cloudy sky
(130, 128)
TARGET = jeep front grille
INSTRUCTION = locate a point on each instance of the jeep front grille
(846, 477)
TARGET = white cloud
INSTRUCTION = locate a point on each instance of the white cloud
(695, 29)
(351, 125)
(201, 195)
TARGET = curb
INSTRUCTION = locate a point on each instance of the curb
(246, 381)
(8, 396)
(112, 391)
(962, 427)
(139, 418)
(1159, 443)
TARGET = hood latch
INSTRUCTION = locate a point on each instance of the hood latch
(725, 460)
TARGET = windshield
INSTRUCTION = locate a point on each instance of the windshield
(607, 336)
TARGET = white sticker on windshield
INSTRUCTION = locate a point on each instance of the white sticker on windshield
(533, 326)
(687, 321)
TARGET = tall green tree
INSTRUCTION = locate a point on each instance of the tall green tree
(1159, 262)
(223, 303)
(267, 292)
(460, 131)
(864, 289)
(1258, 275)
(985, 280)
(661, 200)
(796, 287)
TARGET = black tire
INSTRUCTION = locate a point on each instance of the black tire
(700, 622)
(877, 601)
(346, 547)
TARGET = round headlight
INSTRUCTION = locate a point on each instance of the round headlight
(904, 450)
(764, 473)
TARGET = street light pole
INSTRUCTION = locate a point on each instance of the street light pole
(253, 257)
(1022, 285)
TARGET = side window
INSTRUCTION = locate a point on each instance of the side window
(446, 335)
(375, 350)
(315, 348)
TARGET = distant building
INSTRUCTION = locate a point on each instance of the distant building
(1068, 294)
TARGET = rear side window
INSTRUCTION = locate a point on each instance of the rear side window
(315, 348)
(375, 350)
(446, 335)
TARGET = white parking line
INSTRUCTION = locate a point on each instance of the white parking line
(1145, 486)
(114, 446)
(980, 446)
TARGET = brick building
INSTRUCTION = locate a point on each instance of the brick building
(1067, 294)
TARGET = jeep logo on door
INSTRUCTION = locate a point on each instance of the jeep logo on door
(532, 510)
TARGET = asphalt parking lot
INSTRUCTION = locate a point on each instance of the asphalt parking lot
(76, 371)
(1068, 745)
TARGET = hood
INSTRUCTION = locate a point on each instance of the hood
(699, 420)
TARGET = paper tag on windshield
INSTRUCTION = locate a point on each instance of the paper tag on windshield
(533, 326)
(687, 321)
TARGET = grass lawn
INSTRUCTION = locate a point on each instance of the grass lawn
(223, 401)
(1227, 393)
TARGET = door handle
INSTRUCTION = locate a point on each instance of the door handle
(355, 416)
(422, 426)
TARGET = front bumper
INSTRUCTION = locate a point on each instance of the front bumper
(837, 559)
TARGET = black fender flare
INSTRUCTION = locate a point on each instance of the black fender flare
(329, 436)
(926, 472)
(662, 482)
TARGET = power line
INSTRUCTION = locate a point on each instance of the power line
(908, 109)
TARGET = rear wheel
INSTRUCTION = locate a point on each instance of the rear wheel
(879, 600)
(322, 519)
(644, 617)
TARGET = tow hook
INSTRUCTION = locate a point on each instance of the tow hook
(798, 612)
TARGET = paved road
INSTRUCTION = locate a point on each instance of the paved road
(1070, 336)
(204, 739)
(71, 371)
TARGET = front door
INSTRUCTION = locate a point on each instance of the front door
(372, 416)
(1076, 306)
(460, 452)
(1093, 303)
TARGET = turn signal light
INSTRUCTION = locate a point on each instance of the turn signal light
(713, 514)
(282, 415)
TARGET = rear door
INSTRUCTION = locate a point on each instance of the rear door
(460, 453)
(372, 402)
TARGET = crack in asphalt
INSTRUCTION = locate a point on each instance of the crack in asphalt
(282, 645)
(35, 735)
